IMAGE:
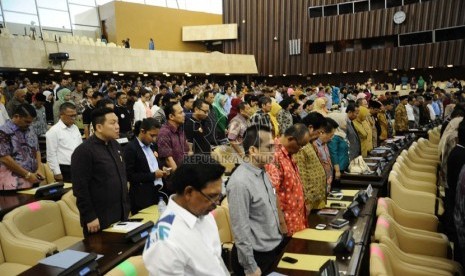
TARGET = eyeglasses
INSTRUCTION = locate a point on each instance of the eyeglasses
(216, 201)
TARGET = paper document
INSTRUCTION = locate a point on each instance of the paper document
(305, 262)
(123, 227)
(349, 192)
(318, 235)
(64, 259)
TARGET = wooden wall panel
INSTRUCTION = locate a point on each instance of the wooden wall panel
(260, 21)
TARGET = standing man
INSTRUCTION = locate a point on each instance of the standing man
(123, 114)
(172, 143)
(185, 239)
(286, 179)
(195, 126)
(400, 118)
(99, 175)
(19, 151)
(410, 112)
(352, 111)
(374, 108)
(18, 99)
(253, 208)
(62, 139)
(86, 116)
(40, 123)
(262, 116)
(237, 128)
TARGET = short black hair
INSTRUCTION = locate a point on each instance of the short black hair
(297, 131)
(375, 104)
(314, 119)
(169, 109)
(146, 124)
(206, 93)
(351, 107)
(40, 97)
(119, 94)
(196, 171)
(25, 110)
(186, 98)
(263, 101)
(104, 102)
(242, 105)
(249, 98)
(199, 102)
(252, 137)
(307, 103)
(285, 103)
(95, 95)
(98, 115)
(330, 125)
(67, 105)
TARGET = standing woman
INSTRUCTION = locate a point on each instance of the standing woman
(339, 145)
(64, 95)
(363, 128)
(142, 106)
(221, 115)
(143, 172)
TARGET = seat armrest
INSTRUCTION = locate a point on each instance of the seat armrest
(424, 245)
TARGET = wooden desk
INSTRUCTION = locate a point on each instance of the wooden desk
(351, 264)
(112, 246)
(11, 200)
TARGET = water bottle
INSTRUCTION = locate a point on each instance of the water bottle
(161, 206)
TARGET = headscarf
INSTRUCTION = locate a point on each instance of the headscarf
(319, 105)
(275, 108)
(449, 134)
(362, 115)
(218, 103)
(341, 120)
(61, 99)
(234, 108)
(61, 95)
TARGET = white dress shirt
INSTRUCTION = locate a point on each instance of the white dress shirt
(183, 244)
(61, 143)
(432, 114)
(410, 114)
(140, 112)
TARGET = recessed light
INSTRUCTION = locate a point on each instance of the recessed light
(431, 67)
(141, 73)
(115, 72)
(270, 76)
(284, 75)
(412, 68)
(344, 72)
(361, 71)
(120, 74)
(87, 71)
(300, 74)
(450, 65)
(208, 74)
(145, 75)
(227, 74)
(313, 74)
(35, 73)
(66, 73)
(376, 70)
(329, 73)
(167, 75)
(95, 74)
(164, 73)
(394, 69)
(57, 70)
(23, 69)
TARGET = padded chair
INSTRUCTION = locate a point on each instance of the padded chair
(133, 266)
(427, 146)
(70, 214)
(70, 201)
(47, 172)
(384, 262)
(422, 153)
(407, 218)
(411, 240)
(221, 215)
(18, 255)
(411, 182)
(42, 221)
(415, 157)
(226, 156)
(417, 201)
(433, 137)
(415, 165)
(421, 175)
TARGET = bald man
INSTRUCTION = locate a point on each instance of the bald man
(19, 98)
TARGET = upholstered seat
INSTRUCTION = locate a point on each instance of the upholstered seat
(407, 218)
(43, 221)
(18, 255)
(415, 165)
(226, 156)
(412, 182)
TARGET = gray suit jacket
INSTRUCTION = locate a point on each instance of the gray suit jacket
(354, 141)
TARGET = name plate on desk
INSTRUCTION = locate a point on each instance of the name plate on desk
(122, 140)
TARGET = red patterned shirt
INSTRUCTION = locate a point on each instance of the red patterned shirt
(285, 178)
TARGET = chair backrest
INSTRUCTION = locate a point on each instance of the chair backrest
(70, 200)
(225, 156)
(379, 266)
(223, 223)
(134, 266)
(40, 220)
(71, 220)
(385, 229)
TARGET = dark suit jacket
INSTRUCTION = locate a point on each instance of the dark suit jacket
(354, 141)
(142, 191)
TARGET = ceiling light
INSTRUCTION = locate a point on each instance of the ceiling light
(115, 72)
(284, 75)
(412, 68)
(141, 73)
(376, 70)
(167, 75)
(95, 74)
(361, 71)
(208, 74)
(270, 76)
(394, 69)
(344, 72)
(145, 75)
(57, 70)
(87, 71)
(66, 73)
(300, 74)
(121, 74)
(329, 73)
(431, 67)
(227, 74)
(35, 73)
(23, 70)
(450, 65)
